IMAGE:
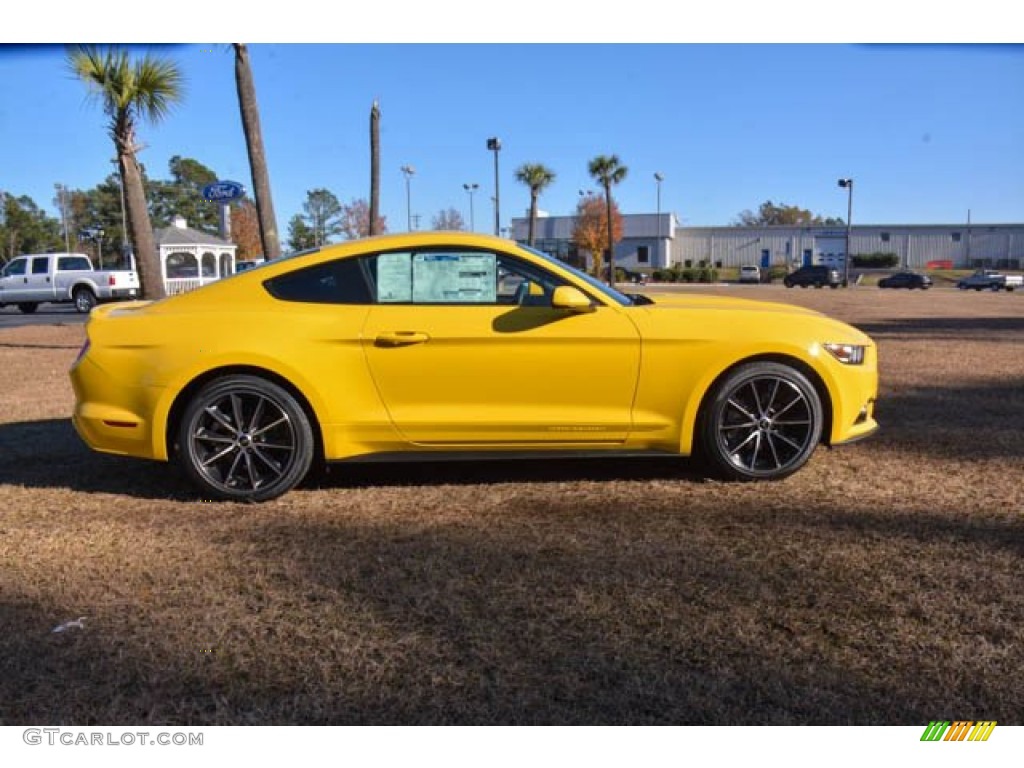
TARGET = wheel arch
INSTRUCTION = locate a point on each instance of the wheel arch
(812, 375)
(183, 397)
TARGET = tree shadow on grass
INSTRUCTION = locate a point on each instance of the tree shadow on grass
(978, 421)
(1001, 329)
(562, 613)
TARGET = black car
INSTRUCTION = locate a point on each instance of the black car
(906, 280)
(817, 275)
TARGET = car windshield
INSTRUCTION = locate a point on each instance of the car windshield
(605, 290)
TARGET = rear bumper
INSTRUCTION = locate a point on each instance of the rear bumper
(109, 416)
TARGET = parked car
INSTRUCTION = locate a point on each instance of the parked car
(990, 279)
(817, 275)
(30, 280)
(750, 273)
(906, 279)
(423, 345)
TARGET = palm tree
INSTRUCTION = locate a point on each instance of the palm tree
(130, 91)
(536, 177)
(257, 156)
(375, 169)
(607, 170)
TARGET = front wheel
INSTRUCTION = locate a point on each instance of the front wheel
(243, 438)
(761, 422)
(84, 300)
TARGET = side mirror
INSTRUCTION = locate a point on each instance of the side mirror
(572, 299)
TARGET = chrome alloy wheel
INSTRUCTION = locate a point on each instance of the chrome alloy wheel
(763, 424)
(246, 439)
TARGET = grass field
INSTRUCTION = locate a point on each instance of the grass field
(880, 585)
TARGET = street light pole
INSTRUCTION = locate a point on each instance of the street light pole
(848, 185)
(471, 188)
(658, 178)
(494, 144)
(408, 171)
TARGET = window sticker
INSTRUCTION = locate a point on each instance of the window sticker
(454, 278)
(394, 278)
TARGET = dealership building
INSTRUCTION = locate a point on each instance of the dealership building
(658, 241)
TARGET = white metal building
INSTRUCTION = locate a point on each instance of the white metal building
(652, 242)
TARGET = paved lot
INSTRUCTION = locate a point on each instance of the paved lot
(50, 314)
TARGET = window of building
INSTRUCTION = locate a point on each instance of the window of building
(885, 237)
(643, 254)
(955, 236)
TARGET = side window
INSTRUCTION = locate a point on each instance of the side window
(344, 281)
(73, 264)
(40, 265)
(459, 277)
(15, 268)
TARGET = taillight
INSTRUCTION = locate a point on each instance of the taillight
(110, 280)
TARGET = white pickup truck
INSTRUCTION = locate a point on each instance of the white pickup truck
(27, 281)
(991, 280)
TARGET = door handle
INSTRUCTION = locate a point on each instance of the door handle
(400, 338)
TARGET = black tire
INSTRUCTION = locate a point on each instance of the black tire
(243, 438)
(761, 422)
(788, 283)
(28, 307)
(84, 300)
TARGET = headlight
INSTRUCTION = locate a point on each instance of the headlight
(848, 354)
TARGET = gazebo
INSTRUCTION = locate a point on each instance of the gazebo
(190, 258)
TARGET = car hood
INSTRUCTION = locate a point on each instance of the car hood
(752, 318)
(705, 301)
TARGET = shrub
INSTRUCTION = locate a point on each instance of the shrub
(664, 276)
(876, 260)
(707, 275)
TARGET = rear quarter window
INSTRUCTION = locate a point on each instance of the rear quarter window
(335, 282)
(73, 264)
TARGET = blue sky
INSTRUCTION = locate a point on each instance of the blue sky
(926, 131)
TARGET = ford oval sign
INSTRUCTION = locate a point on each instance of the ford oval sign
(223, 191)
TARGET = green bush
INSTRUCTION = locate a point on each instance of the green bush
(664, 276)
(774, 273)
(707, 275)
(876, 260)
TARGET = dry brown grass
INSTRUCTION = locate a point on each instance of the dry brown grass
(882, 584)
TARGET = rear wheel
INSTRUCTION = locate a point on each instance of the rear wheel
(762, 422)
(28, 307)
(84, 299)
(243, 438)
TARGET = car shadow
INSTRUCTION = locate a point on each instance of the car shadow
(49, 454)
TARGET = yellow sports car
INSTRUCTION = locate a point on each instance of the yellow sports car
(444, 343)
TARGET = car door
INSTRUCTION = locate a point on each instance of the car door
(38, 281)
(14, 281)
(466, 351)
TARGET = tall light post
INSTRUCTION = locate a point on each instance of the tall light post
(494, 144)
(658, 178)
(848, 185)
(408, 171)
(471, 189)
